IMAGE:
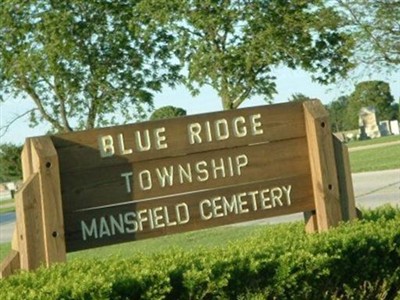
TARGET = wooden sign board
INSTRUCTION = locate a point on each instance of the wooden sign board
(149, 179)
(143, 180)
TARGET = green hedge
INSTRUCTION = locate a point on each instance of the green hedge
(360, 260)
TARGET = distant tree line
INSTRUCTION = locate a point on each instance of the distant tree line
(10, 162)
(344, 111)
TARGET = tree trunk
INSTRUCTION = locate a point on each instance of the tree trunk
(227, 104)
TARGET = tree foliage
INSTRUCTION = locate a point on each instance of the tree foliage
(344, 112)
(167, 112)
(376, 27)
(233, 46)
(299, 97)
(371, 93)
(82, 63)
(338, 114)
(10, 162)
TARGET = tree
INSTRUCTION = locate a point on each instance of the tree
(233, 46)
(338, 114)
(376, 27)
(299, 97)
(167, 112)
(82, 63)
(371, 93)
(398, 109)
(10, 162)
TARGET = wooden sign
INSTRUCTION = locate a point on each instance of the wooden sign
(126, 183)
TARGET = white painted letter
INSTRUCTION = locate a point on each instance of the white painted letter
(104, 229)
(106, 146)
(141, 218)
(160, 139)
(241, 162)
(165, 176)
(130, 221)
(229, 206)
(182, 218)
(92, 231)
(157, 218)
(202, 171)
(201, 204)
(127, 177)
(242, 131)
(194, 130)
(276, 198)
(122, 145)
(265, 199)
(144, 145)
(220, 168)
(145, 180)
(241, 203)
(287, 191)
(256, 124)
(221, 128)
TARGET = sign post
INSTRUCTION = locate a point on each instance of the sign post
(323, 168)
(125, 183)
(39, 234)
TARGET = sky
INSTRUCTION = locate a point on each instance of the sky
(288, 82)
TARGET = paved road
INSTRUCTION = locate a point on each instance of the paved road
(7, 224)
(371, 189)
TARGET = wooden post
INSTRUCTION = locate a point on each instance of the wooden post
(39, 234)
(26, 160)
(348, 205)
(323, 168)
(10, 264)
(27, 246)
(29, 227)
(45, 162)
(310, 219)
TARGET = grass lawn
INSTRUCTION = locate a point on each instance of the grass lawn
(384, 139)
(5, 206)
(375, 159)
(4, 249)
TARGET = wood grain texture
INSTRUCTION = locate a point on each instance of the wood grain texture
(80, 150)
(10, 264)
(323, 166)
(149, 179)
(104, 186)
(346, 190)
(30, 224)
(45, 162)
(204, 209)
(26, 160)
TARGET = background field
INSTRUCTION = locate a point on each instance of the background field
(382, 158)
(381, 140)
